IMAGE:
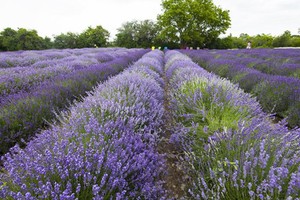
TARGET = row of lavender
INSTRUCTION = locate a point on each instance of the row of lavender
(30, 95)
(232, 150)
(105, 147)
(276, 93)
(285, 62)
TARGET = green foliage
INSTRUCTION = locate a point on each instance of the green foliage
(22, 39)
(239, 43)
(147, 31)
(223, 43)
(210, 108)
(126, 35)
(283, 40)
(29, 40)
(9, 41)
(93, 37)
(192, 22)
(1, 43)
(258, 41)
(64, 41)
(137, 34)
(295, 41)
(48, 44)
(262, 41)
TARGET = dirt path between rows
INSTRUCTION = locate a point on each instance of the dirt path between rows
(175, 179)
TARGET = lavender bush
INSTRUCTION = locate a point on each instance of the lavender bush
(260, 72)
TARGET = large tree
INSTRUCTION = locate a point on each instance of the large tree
(137, 34)
(192, 22)
(29, 40)
(262, 41)
(68, 40)
(283, 40)
(126, 36)
(9, 39)
(22, 39)
(93, 37)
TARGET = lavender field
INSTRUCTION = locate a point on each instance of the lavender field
(162, 128)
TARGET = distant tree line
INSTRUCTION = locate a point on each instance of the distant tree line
(258, 41)
(183, 24)
(91, 37)
(23, 39)
(134, 34)
(146, 34)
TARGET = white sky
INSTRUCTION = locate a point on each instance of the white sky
(52, 17)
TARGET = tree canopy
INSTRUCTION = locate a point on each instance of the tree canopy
(192, 22)
(284, 40)
(68, 40)
(21, 39)
(91, 37)
(94, 37)
(137, 34)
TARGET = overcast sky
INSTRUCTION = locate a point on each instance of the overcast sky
(52, 17)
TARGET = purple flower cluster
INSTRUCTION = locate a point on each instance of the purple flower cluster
(232, 149)
(24, 113)
(103, 148)
(271, 75)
